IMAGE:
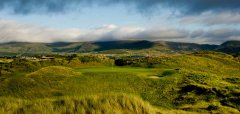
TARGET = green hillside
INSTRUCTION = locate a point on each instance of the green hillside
(110, 47)
(230, 47)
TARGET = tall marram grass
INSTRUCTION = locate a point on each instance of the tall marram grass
(101, 104)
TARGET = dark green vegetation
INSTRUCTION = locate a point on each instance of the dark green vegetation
(114, 47)
(230, 47)
(201, 82)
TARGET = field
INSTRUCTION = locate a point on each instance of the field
(187, 83)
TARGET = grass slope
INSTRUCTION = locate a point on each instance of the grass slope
(193, 83)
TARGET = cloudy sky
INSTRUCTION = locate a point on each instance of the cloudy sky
(197, 21)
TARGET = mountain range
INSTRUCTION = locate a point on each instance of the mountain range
(111, 47)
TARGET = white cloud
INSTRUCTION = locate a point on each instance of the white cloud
(164, 33)
(12, 31)
(110, 32)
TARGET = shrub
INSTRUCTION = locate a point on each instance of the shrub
(168, 72)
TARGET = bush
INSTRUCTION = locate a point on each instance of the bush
(168, 72)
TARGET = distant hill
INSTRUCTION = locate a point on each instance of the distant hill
(14, 48)
(230, 47)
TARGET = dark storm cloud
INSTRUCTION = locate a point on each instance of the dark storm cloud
(59, 6)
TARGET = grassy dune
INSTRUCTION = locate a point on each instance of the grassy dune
(194, 83)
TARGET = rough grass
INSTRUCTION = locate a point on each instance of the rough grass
(101, 104)
(53, 71)
(5, 60)
(45, 82)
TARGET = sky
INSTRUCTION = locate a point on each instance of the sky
(194, 21)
